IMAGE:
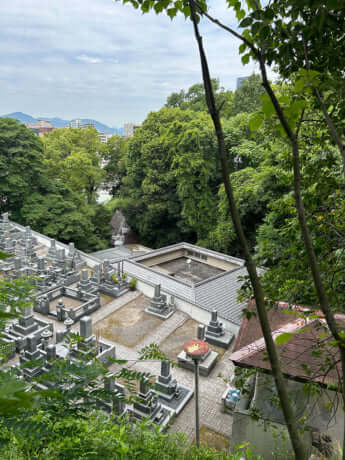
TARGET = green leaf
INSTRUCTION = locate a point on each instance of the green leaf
(240, 14)
(159, 7)
(297, 106)
(245, 58)
(264, 32)
(172, 12)
(145, 6)
(186, 11)
(256, 121)
(246, 22)
(179, 5)
(268, 108)
(299, 85)
(242, 48)
(283, 338)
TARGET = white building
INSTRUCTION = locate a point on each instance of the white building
(129, 129)
(104, 137)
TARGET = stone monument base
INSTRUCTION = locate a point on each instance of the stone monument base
(162, 417)
(205, 366)
(222, 341)
(165, 314)
(176, 403)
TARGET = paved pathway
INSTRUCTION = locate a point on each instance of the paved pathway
(164, 330)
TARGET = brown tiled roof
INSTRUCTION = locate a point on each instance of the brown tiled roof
(308, 355)
(250, 330)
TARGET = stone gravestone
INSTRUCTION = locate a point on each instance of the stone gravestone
(147, 404)
(41, 264)
(201, 332)
(216, 334)
(165, 385)
(51, 352)
(44, 305)
(52, 249)
(158, 306)
(60, 310)
(17, 263)
(26, 324)
(71, 250)
(84, 282)
(170, 394)
(119, 404)
(86, 327)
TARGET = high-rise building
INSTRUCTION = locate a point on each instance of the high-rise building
(240, 80)
(129, 129)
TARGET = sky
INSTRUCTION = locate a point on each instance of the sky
(103, 60)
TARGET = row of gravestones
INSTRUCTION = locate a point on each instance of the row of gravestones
(158, 401)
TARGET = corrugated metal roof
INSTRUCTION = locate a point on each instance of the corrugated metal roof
(120, 252)
(221, 294)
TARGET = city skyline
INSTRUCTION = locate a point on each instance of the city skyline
(97, 60)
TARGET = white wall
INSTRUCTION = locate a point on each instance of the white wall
(195, 312)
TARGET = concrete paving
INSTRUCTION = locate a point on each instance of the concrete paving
(211, 387)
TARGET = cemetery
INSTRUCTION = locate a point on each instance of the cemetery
(76, 293)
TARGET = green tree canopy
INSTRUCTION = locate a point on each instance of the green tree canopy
(194, 98)
(21, 168)
(74, 156)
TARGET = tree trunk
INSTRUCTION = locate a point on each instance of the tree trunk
(292, 424)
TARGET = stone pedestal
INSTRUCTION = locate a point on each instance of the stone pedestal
(52, 249)
(26, 324)
(208, 361)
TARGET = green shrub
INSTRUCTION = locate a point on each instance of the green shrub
(98, 437)
(133, 284)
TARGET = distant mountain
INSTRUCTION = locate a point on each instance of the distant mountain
(57, 122)
(23, 117)
(60, 123)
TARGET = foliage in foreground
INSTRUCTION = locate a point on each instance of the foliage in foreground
(97, 437)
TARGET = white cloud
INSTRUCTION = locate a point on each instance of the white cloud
(88, 59)
(141, 59)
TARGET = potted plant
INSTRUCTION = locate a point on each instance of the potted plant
(132, 284)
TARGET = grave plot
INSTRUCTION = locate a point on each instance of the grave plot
(130, 324)
(173, 344)
(63, 302)
(69, 302)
